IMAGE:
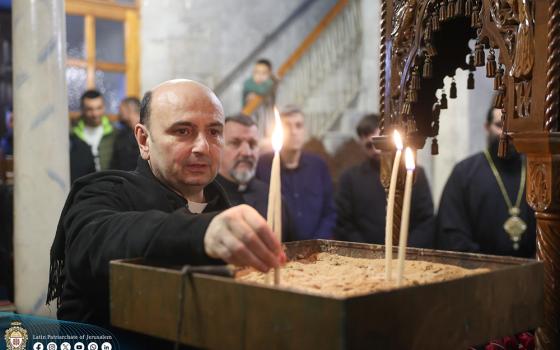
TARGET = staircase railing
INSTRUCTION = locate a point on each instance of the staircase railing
(323, 75)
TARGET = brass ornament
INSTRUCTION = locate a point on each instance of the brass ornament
(479, 55)
(499, 98)
(470, 81)
(427, 69)
(491, 65)
(435, 147)
(468, 8)
(442, 11)
(451, 9)
(498, 79)
(453, 89)
(443, 101)
(515, 227)
(459, 8)
(435, 20)
(415, 79)
(412, 95)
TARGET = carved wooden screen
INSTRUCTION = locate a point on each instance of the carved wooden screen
(518, 43)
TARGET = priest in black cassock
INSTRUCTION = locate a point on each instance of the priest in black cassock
(361, 200)
(483, 207)
(238, 168)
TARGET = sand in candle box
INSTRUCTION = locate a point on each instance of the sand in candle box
(342, 276)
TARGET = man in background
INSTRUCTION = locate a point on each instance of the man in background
(361, 198)
(306, 183)
(238, 167)
(125, 149)
(483, 207)
(95, 128)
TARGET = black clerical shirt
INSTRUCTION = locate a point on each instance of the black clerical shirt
(255, 194)
(472, 210)
(361, 203)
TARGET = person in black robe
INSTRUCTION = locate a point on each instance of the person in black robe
(168, 211)
(473, 209)
(238, 167)
(362, 201)
(125, 148)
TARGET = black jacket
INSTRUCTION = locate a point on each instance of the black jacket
(114, 215)
(361, 203)
(125, 150)
(256, 196)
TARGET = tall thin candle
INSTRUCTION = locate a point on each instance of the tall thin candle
(409, 158)
(274, 212)
(391, 206)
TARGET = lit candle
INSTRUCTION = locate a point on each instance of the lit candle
(274, 211)
(391, 206)
(409, 159)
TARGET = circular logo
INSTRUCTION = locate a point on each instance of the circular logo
(65, 346)
(79, 346)
(93, 346)
(106, 346)
(38, 346)
(51, 346)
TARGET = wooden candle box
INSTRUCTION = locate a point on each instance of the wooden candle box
(222, 313)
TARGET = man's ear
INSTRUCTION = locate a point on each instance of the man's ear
(142, 137)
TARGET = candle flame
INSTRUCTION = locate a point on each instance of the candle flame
(398, 140)
(409, 159)
(277, 133)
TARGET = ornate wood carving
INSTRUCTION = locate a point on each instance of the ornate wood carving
(382, 57)
(538, 191)
(526, 70)
(553, 67)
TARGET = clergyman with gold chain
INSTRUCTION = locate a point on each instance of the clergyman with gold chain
(483, 207)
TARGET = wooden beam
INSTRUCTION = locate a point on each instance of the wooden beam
(132, 53)
(89, 22)
(97, 9)
(110, 66)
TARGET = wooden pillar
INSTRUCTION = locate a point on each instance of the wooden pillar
(543, 195)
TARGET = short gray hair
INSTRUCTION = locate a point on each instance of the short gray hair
(289, 110)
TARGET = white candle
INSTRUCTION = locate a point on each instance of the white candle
(391, 206)
(274, 210)
(409, 158)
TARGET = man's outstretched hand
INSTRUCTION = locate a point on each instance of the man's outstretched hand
(241, 236)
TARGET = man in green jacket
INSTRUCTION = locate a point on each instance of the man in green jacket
(95, 128)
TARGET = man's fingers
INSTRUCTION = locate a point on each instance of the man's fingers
(259, 225)
(253, 242)
(242, 256)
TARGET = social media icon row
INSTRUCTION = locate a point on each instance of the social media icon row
(77, 346)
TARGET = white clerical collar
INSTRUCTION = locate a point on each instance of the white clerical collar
(196, 208)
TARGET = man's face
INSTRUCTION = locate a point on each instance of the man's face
(294, 132)
(128, 115)
(185, 135)
(494, 129)
(261, 73)
(92, 111)
(368, 146)
(241, 152)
